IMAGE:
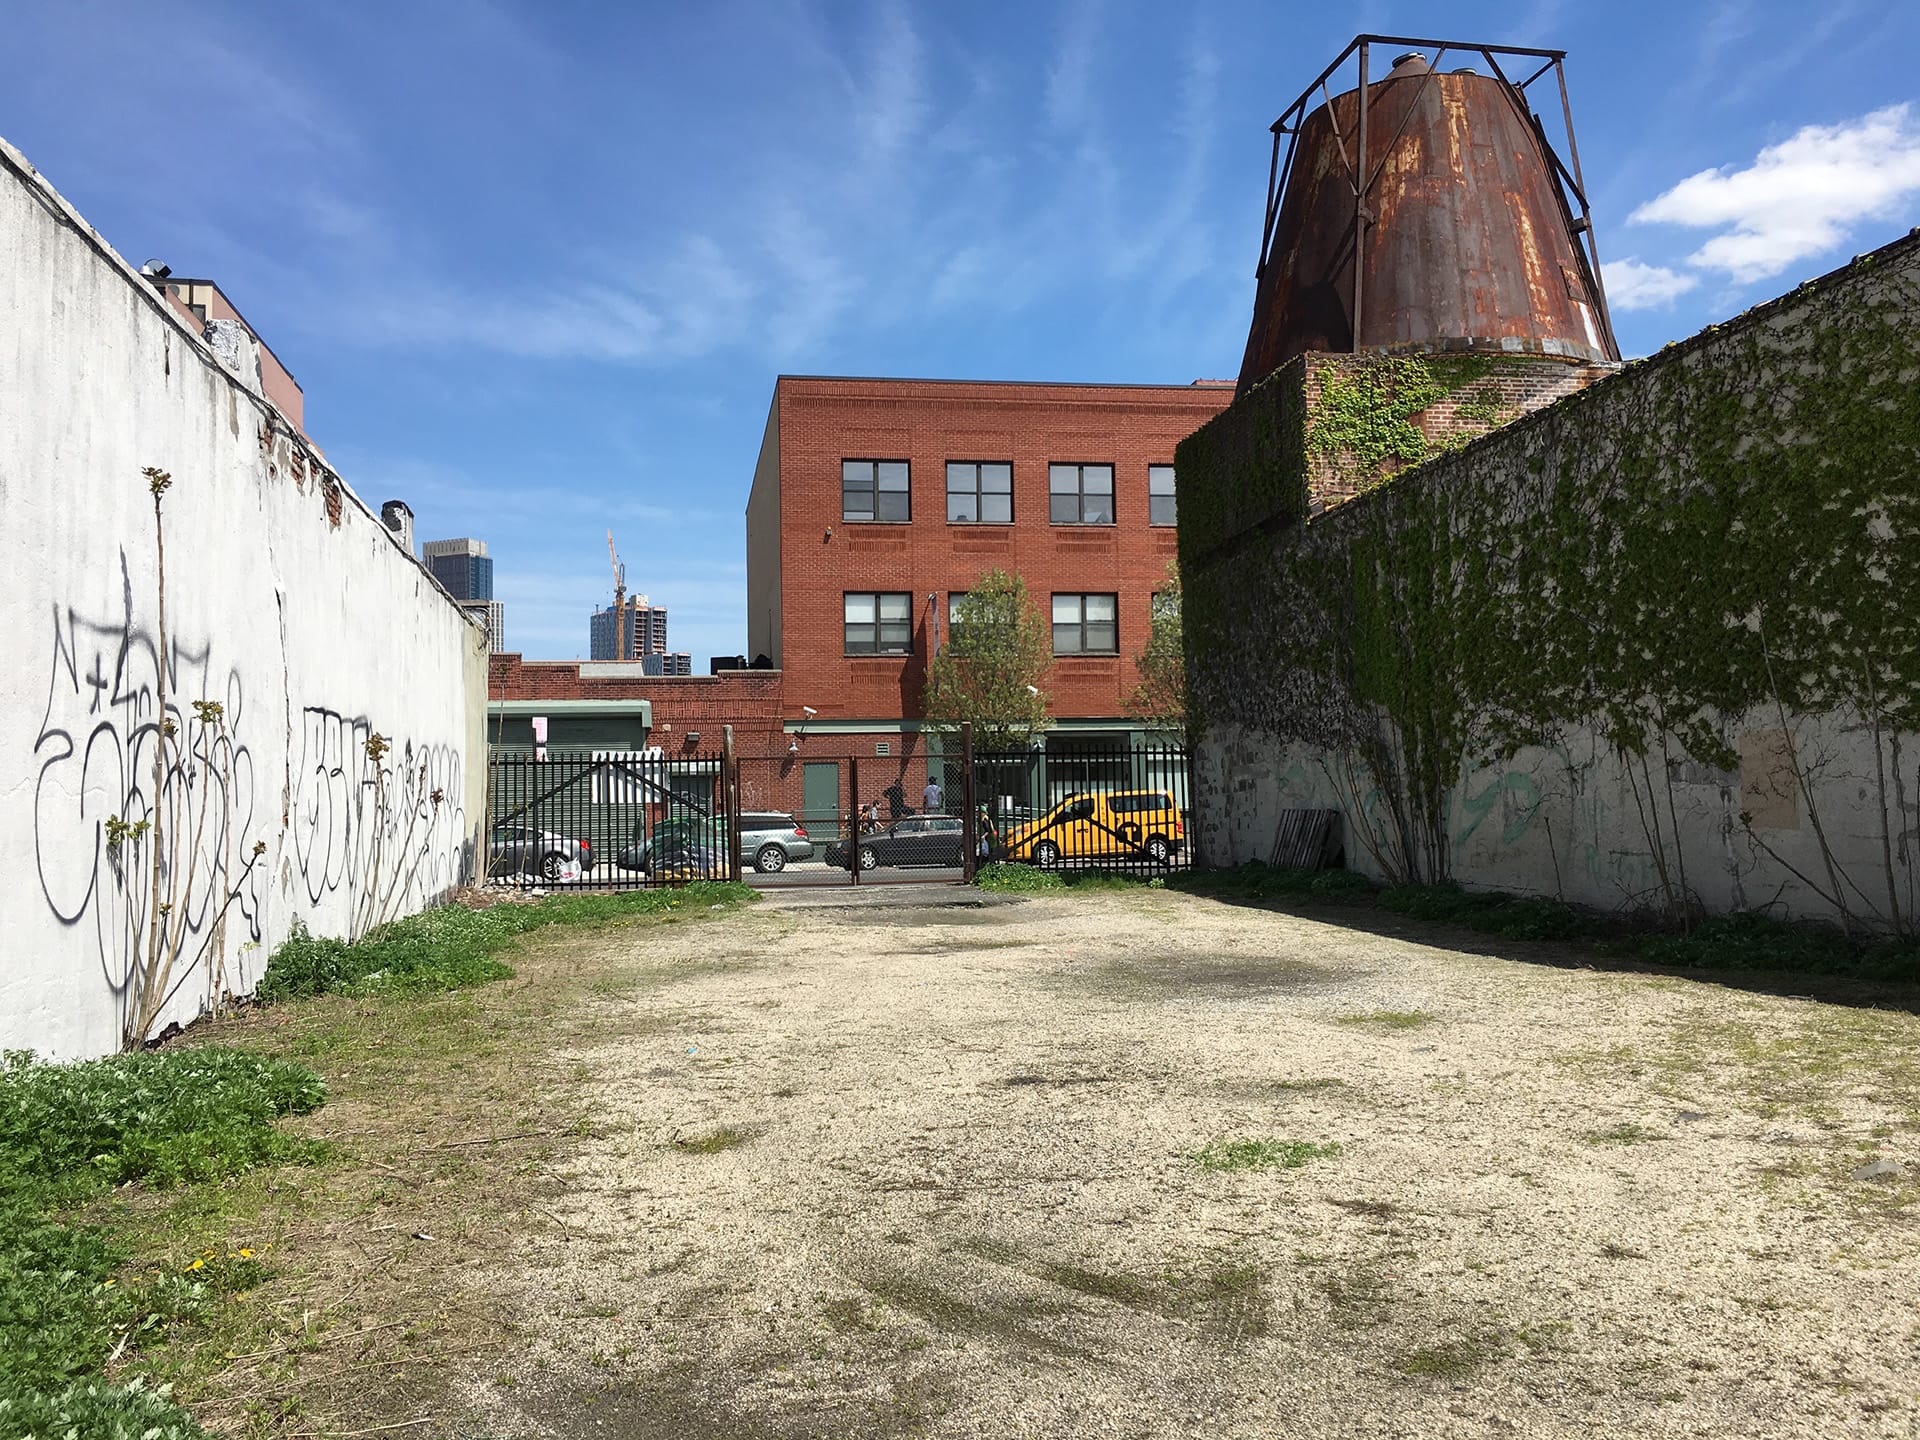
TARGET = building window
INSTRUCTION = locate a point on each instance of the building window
(1160, 495)
(875, 490)
(979, 494)
(879, 624)
(1086, 625)
(1080, 494)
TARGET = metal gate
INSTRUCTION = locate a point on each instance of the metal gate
(1087, 803)
(609, 819)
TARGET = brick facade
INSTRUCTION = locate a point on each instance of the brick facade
(797, 586)
(1511, 387)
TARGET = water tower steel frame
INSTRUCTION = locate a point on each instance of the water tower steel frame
(1567, 179)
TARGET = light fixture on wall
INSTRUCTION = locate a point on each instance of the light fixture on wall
(793, 747)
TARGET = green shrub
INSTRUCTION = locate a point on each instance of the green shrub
(167, 1116)
(1256, 880)
(95, 1410)
(1749, 941)
(452, 947)
(1515, 917)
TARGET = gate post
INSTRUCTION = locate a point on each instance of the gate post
(853, 820)
(730, 797)
(970, 832)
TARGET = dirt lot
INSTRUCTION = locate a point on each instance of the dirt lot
(1150, 1165)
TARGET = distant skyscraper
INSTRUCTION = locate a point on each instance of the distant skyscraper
(463, 566)
(633, 632)
(466, 570)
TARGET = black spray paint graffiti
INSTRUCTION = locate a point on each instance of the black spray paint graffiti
(382, 822)
(96, 749)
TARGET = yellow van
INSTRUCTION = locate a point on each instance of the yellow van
(1122, 825)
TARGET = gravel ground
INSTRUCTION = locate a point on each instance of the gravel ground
(897, 1168)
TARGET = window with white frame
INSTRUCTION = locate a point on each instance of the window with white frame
(979, 493)
(1160, 510)
(1080, 494)
(1086, 625)
(875, 491)
(879, 623)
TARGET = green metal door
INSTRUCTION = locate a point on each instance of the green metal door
(820, 794)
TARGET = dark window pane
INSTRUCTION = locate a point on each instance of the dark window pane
(1160, 510)
(893, 506)
(1096, 510)
(1066, 639)
(1101, 637)
(1064, 509)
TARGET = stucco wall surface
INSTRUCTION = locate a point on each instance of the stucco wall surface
(1650, 646)
(287, 604)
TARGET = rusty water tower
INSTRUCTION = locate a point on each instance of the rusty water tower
(1427, 211)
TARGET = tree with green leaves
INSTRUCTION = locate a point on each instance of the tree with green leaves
(1160, 699)
(997, 651)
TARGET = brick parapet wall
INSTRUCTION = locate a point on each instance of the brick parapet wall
(1515, 386)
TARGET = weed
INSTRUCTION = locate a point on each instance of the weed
(1491, 914)
(1388, 1019)
(452, 947)
(1455, 1358)
(1625, 1133)
(714, 1141)
(1261, 1154)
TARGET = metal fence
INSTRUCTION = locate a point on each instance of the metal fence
(609, 819)
(1086, 807)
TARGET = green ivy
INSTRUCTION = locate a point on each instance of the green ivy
(1730, 526)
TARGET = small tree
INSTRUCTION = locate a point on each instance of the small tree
(989, 670)
(1160, 699)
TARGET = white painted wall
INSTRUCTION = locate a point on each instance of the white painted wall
(287, 601)
(1573, 823)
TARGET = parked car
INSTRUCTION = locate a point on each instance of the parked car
(915, 840)
(1121, 825)
(523, 850)
(674, 855)
(769, 839)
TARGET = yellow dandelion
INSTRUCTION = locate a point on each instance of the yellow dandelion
(107, 1282)
(244, 1254)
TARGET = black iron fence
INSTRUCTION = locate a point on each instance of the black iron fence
(619, 819)
(1082, 805)
(609, 819)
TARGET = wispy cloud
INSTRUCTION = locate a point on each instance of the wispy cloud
(1798, 199)
(1633, 285)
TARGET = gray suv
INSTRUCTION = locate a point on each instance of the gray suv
(769, 839)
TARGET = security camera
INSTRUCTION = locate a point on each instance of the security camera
(1034, 690)
(808, 711)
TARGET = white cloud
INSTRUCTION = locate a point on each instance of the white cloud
(1799, 198)
(1633, 285)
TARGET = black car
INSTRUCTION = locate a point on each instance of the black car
(916, 840)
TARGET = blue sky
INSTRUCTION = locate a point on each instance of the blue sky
(537, 265)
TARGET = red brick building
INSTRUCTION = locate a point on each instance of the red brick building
(876, 503)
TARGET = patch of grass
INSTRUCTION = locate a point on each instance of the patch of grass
(70, 1131)
(1490, 914)
(1625, 1133)
(1261, 1154)
(1749, 941)
(1388, 1019)
(1009, 878)
(452, 947)
(713, 1142)
(1257, 881)
(1454, 1359)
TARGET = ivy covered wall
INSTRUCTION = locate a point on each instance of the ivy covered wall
(1657, 644)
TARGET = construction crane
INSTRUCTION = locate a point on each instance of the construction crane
(619, 600)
